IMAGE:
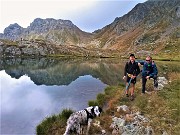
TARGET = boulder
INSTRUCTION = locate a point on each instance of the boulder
(123, 108)
(161, 82)
(131, 124)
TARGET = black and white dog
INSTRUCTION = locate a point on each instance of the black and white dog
(80, 118)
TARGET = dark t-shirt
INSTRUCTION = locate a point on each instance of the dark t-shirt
(131, 68)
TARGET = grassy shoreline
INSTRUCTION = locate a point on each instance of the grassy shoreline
(161, 107)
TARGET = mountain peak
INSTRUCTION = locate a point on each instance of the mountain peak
(43, 25)
(13, 31)
(56, 31)
(12, 27)
(51, 21)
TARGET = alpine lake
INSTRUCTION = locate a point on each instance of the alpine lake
(35, 88)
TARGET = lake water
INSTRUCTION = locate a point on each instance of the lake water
(32, 89)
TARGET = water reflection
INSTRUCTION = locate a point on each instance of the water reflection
(32, 89)
(24, 104)
(63, 71)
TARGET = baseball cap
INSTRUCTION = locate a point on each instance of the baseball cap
(132, 55)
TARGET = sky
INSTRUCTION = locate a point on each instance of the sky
(88, 15)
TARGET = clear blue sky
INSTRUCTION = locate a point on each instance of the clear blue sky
(88, 15)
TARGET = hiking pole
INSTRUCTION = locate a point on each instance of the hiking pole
(127, 86)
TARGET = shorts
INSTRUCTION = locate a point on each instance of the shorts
(132, 81)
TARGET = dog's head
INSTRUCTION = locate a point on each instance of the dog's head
(97, 110)
(94, 111)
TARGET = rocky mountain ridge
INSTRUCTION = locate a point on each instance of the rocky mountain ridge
(151, 27)
(56, 31)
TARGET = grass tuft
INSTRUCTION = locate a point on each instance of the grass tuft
(93, 103)
(55, 124)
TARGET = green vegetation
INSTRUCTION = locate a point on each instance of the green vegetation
(150, 37)
(161, 107)
(171, 95)
(103, 41)
(166, 57)
(175, 34)
(9, 42)
(55, 124)
(163, 24)
(61, 55)
(40, 37)
(102, 98)
(75, 38)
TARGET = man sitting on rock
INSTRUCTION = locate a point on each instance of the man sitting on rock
(149, 71)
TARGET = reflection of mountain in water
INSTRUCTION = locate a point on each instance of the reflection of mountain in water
(60, 71)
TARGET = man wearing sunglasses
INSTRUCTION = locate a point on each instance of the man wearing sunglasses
(149, 71)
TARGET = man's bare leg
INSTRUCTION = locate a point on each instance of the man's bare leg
(127, 91)
(132, 91)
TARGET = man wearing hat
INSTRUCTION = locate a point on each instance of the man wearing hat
(131, 71)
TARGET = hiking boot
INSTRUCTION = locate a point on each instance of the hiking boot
(149, 93)
(142, 94)
(132, 97)
(127, 95)
(155, 88)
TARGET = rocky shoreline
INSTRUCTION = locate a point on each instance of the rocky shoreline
(130, 121)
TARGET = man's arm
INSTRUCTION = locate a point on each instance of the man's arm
(138, 70)
(155, 71)
(125, 69)
(141, 63)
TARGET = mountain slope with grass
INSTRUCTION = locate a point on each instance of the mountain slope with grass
(43, 48)
(151, 27)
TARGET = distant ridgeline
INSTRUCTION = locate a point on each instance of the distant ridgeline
(151, 27)
(56, 31)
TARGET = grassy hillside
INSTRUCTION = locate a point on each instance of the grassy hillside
(149, 28)
(161, 107)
